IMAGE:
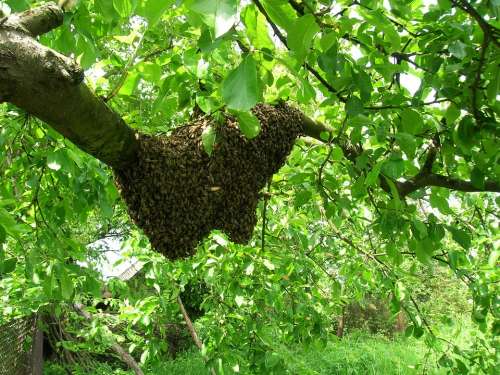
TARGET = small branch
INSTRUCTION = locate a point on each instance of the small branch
(267, 195)
(191, 329)
(122, 353)
(489, 30)
(125, 70)
(401, 106)
(424, 320)
(189, 324)
(425, 178)
(283, 40)
(477, 81)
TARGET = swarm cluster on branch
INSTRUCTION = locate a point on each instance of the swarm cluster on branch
(175, 192)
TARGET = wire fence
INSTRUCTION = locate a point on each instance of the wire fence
(16, 346)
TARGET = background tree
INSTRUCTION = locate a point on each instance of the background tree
(397, 175)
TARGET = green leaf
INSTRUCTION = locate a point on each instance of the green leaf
(208, 139)
(394, 167)
(8, 266)
(301, 35)
(54, 161)
(249, 124)
(412, 121)
(272, 359)
(281, 13)
(457, 49)
(422, 248)
(364, 83)
(337, 153)
(452, 114)
(10, 225)
(130, 84)
(419, 229)
(3, 234)
(256, 28)
(372, 176)
(465, 132)
(152, 10)
(354, 106)
(407, 143)
(150, 72)
(240, 89)
(441, 203)
(123, 7)
(106, 9)
(461, 237)
(66, 284)
(220, 15)
(301, 198)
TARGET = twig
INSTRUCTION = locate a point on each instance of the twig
(191, 330)
(488, 29)
(122, 353)
(283, 40)
(264, 215)
(477, 80)
(400, 106)
(424, 320)
(125, 70)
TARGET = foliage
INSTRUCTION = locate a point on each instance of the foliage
(398, 191)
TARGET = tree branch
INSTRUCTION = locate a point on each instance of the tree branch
(36, 21)
(424, 179)
(283, 40)
(50, 86)
(433, 179)
(490, 31)
(191, 330)
(122, 353)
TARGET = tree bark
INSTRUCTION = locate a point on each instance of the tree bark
(50, 86)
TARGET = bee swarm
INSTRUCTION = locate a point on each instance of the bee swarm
(177, 194)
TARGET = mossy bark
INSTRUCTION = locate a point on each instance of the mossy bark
(50, 86)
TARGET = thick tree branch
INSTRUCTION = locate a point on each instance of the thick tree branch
(36, 21)
(50, 86)
(424, 179)
(433, 179)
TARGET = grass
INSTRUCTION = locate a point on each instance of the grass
(190, 363)
(355, 354)
(361, 354)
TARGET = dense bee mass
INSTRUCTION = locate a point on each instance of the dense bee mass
(177, 194)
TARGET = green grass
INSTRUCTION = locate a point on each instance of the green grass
(361, 354)
(356, 354)
(191, 363)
